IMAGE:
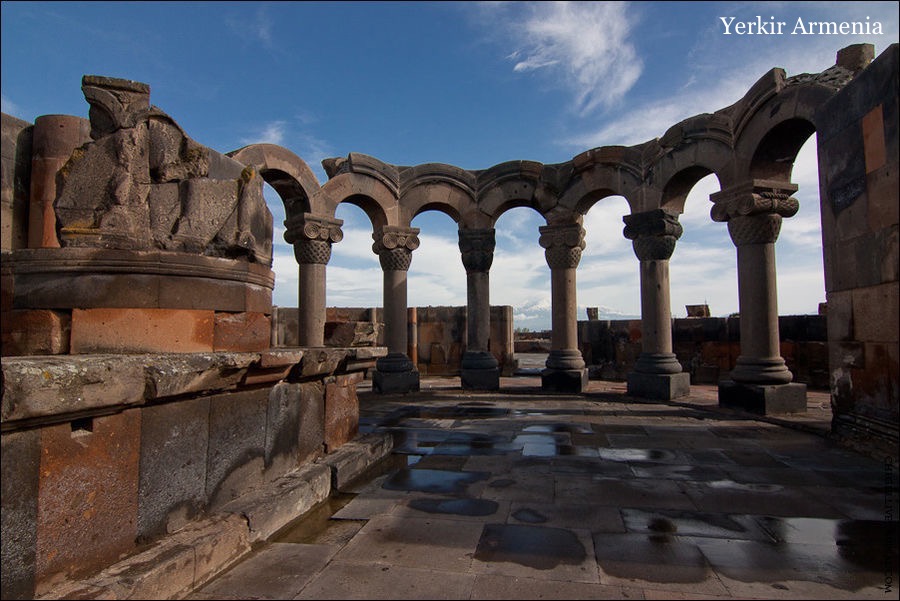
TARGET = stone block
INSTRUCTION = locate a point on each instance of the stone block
(241, 332)
(295, 429)
(141, 331)
(873, 139)
(353, 459)
(565, 381)
(395, 382)
(19, 464)
(659, 386)
(480, 379)
(763, 399)
(341, 410)
(88, 499)
(237, 438)
(172, 486)
(876, 313)
(881, 190)
(270, 508)
(36, 332)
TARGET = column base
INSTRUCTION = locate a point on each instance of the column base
(763, 399)
(564, 380)
(395, 381)
(480, 379)
(659, 386)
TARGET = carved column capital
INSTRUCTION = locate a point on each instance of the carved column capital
(563, 245)
(754, 210)
(477, 248)
(653, 234)
(312, 237)
(394, 246)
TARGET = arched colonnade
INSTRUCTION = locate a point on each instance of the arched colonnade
(750, 146)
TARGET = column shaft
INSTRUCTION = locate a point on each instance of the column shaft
(479, 368)
(395, 323)
(312, 304)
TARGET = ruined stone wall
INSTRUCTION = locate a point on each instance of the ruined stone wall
(706, 347)
(103, 454)
(858, 172)
(440, 334)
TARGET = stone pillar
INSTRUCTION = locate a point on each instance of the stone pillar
(312, 237)
(480, 370)
(55, 139)
(657, 373)
(395, 372)
(565, 371)
(760, 381)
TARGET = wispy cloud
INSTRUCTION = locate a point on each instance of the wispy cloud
(269, 133)
(254, 27)
(9, 107)
(585, 44)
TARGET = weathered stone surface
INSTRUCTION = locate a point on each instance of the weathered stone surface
(87, 500)
(15, 181)
(149, 331)
(48, 386)
(763, 399)
(341, 410)
(352, 460)
(20, 460)
(295, 431)
(36, 332)
(241, 332)
(876, 313)
(172, 487)
(269, 509)
(237, 439)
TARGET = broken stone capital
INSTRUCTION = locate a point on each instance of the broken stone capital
(477, 248)
(394, 246)
(563, 245)
(653, 234)
(115, 103)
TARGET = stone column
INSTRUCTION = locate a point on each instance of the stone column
(55, 139)
(760, 381)
(312, 237)
(395, 372)
(657, 373)
(480, 370)
(565, 371)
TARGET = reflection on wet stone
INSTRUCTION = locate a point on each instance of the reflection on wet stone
(434, 481)
(469, 507)
(529, 516)
(538, 547)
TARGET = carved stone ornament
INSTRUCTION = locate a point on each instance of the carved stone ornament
(563, 245)
(394, 246)
(653, 234)
(755, 198)
(312, 237)
(477, 248)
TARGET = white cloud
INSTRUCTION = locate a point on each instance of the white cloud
(271, 133)
(586, 44)
(9, 107)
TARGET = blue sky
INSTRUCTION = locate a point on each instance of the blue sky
(472, 84)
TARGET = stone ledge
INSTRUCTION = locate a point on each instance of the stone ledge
(50, 389)
(181, 562)
(352, 459)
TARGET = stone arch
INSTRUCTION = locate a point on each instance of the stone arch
(440, 187)
(286, 172)
(599, 173)
(512, 184)
(677, 187)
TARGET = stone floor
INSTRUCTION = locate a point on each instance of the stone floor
(521, 495)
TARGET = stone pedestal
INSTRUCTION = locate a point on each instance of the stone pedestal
(395, 373)
(564, 380)
(763, 399)
(480, 371)
(659, 386)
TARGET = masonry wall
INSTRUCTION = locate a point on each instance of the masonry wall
(437, 340)
(706, 347)
(104, 454)
(858, 172)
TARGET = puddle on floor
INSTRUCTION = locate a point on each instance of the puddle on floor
(627, 454)
(529, 516)
(432, 481)
(317, 527)
(467, 507)
(538, 547)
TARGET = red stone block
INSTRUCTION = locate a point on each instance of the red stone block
(142, 331)
(873, 139)
(35, 332)
(341, 410)
(87, 495)
(242, 332)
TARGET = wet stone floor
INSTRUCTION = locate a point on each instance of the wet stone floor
(521, 495)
